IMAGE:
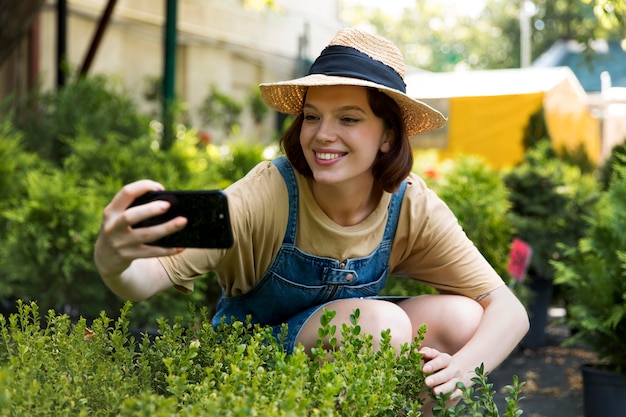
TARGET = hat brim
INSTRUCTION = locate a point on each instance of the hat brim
(287, 97)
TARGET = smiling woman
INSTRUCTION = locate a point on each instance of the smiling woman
(322, 228)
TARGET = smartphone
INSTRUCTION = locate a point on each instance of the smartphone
(208, 221)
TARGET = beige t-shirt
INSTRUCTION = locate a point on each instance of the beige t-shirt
(429, 245)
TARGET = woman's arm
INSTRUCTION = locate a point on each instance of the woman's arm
(502, 327)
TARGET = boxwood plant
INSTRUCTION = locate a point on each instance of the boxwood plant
(51, 366)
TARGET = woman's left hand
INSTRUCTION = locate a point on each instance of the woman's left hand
(443, 373)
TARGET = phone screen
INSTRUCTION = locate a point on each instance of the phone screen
(208, 221)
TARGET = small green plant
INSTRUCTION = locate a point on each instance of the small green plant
(258, 108)
(98, 105)
(478, 399)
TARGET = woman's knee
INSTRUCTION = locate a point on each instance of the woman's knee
(451, 320)
(375, 317)
(465, 314)
(379, 316)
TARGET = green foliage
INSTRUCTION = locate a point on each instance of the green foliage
(550, 201)
(615, 159)
(51, 204)
(535, 131)
(478, 399)
(47, 250)
(220, 110)
(593, 271)
(460, 40)
(51, 366)
(237, 159)
(97, 105)
(479, 198)
(257, 106)
(15, 162)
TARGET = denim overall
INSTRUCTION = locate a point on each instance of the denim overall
(297, 283)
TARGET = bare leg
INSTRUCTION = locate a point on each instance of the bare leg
(452, 320)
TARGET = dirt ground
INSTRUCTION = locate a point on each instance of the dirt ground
(552, 374)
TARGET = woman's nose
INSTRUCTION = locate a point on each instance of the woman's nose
(326, 132)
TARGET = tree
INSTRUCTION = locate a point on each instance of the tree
(435, 36)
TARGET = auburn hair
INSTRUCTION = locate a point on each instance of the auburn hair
(389, 169)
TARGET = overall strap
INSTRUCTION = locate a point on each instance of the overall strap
(393, 214)
(286, 170)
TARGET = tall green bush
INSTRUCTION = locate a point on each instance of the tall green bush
(47, 253)
(550, 200)
(616, 159)
(97, 105)
(478, 196)
(593, 272)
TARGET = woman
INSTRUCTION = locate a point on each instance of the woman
(325, 225)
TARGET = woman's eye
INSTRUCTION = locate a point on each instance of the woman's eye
(349, 120)
(309, 117)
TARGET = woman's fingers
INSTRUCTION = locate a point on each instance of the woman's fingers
(127, 242)
(443, 374)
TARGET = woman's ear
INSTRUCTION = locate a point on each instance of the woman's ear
(387, 141)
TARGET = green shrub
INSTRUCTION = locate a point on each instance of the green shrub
(48, 245)
(97, 105)
(550, 200)
(15, 162)
(592, 272)
(236, 159)
(220, 110)
(615, 159)
(480, 200)
(53, 367)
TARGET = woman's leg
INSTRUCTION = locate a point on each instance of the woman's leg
(452, 320)
(375, 317)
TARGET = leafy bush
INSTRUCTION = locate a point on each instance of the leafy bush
(98, 105)
(480, 200)
(220, 110)
(48, 245)
(593, 272)
(54, 367)
(606, 171)
(550, 200)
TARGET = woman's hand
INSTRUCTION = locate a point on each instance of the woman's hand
(442, 372)
(118, 244)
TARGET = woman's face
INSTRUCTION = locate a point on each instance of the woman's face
(340, 135)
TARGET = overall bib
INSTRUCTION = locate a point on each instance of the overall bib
(297, 284)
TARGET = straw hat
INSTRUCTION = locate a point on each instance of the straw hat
(355, 57)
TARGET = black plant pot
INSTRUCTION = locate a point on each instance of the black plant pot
(538, 312)
(604, 392)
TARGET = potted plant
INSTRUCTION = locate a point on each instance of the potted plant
(594, 274)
